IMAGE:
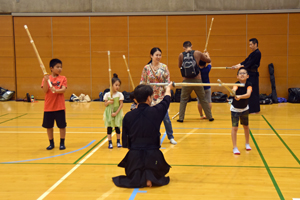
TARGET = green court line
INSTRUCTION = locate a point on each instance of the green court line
(13, 118)
(4, 115)
(89, 150)
(282, 141)
(267, 167)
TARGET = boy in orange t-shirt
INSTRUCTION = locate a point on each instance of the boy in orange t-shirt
(54, 108)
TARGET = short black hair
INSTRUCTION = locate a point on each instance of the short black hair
(202, 63)
(187, 44)
(254, 41)
(241, 69)
(142, 92)
(54, 62)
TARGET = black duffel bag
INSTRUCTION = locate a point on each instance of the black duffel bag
(294, 95)
(219, 97)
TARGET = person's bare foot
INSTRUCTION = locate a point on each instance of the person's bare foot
(202, 117)
(149, 183)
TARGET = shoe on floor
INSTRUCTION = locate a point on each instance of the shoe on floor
(179, 120)
(110, 146)
(119, 145)
(211, 119)
(173, 141)
(248, 148)
(62, 147)
(50, 147)
(236, 151)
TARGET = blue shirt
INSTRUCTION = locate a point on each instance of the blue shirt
(204, 75)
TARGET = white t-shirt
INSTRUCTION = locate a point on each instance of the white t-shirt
(117, 94)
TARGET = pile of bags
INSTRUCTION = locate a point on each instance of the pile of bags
(82, 98)
(5, 94)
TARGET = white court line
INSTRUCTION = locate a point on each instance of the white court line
(228, 133)
(106, 194)
(72, 170)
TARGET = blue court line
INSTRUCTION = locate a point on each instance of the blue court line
(135, 191)
(49, 156)
(163, 137)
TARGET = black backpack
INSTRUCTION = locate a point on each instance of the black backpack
(294, 95)
(189, 67)
(127, 98)
(219, 97)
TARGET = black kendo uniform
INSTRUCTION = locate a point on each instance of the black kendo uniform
(252, 63)
(141, 135)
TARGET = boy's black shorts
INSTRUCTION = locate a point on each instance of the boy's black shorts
(58, 116)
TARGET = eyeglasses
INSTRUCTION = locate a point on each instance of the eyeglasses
(242, 73)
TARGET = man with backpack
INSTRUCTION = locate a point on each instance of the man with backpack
(190, 71)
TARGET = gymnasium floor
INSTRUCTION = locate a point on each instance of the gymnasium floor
(203, 165)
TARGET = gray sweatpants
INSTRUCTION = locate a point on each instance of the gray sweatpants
(185, 94)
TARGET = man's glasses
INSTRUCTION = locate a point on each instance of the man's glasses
(242, 73)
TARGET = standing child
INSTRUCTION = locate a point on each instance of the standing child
(54, 108)
(113, 113)
(204, 70)
(240, 108)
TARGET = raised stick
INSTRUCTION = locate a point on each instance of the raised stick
(109, 73)
(199, 84)
(128, 72)
(221, 68)
(211, 23)
(232, 93)
(37, 54)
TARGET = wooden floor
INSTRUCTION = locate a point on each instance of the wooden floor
(203, 165)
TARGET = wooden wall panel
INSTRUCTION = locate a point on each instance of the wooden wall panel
(192, 25)
(141, 46)
(227, 25)
(7, 69)
(76, 67)
(147, 26)
(175, 43)
(70, 26)
(109, 26)
(38, 26)
(271, 45)
(294, 45)
(78, 86)
(100, 67)
(294, 69)
(280, 66)
(266, 24)
(30, 67)
(294, 21)
(31, 86)
(227, 45)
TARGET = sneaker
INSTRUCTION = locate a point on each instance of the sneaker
(119, 145)
(62, 147)
(236, 151)
(110, 146)
(248, 148)
(179, 120)
(173, 141)
(50, 147)
(211, 119)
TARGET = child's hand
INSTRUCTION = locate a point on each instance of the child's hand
(53, 90)
(46, 77)
(111, 101)
(237, 97)
(113, 114)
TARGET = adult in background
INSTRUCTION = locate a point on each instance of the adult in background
(144, 163)
(157, 72)
(194, 57)
(251, 64)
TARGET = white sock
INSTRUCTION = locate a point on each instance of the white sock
(236, 151)
(248, 148)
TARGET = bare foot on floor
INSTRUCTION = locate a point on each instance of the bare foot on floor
(149, 183)
(203, 117)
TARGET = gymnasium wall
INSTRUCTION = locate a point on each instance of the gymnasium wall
(82, 44)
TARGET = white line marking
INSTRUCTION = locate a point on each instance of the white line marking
(72, 170)
(106, 194)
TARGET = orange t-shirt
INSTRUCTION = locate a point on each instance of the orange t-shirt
(55, 101)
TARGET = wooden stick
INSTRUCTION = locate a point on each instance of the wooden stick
(175, 116)
(199, 84)
(221, 68)
(128, 72)
(109, 73)
(232, 93)
(211, 23)
(37, 54)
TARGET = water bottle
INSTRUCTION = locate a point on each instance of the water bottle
(32, 98)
